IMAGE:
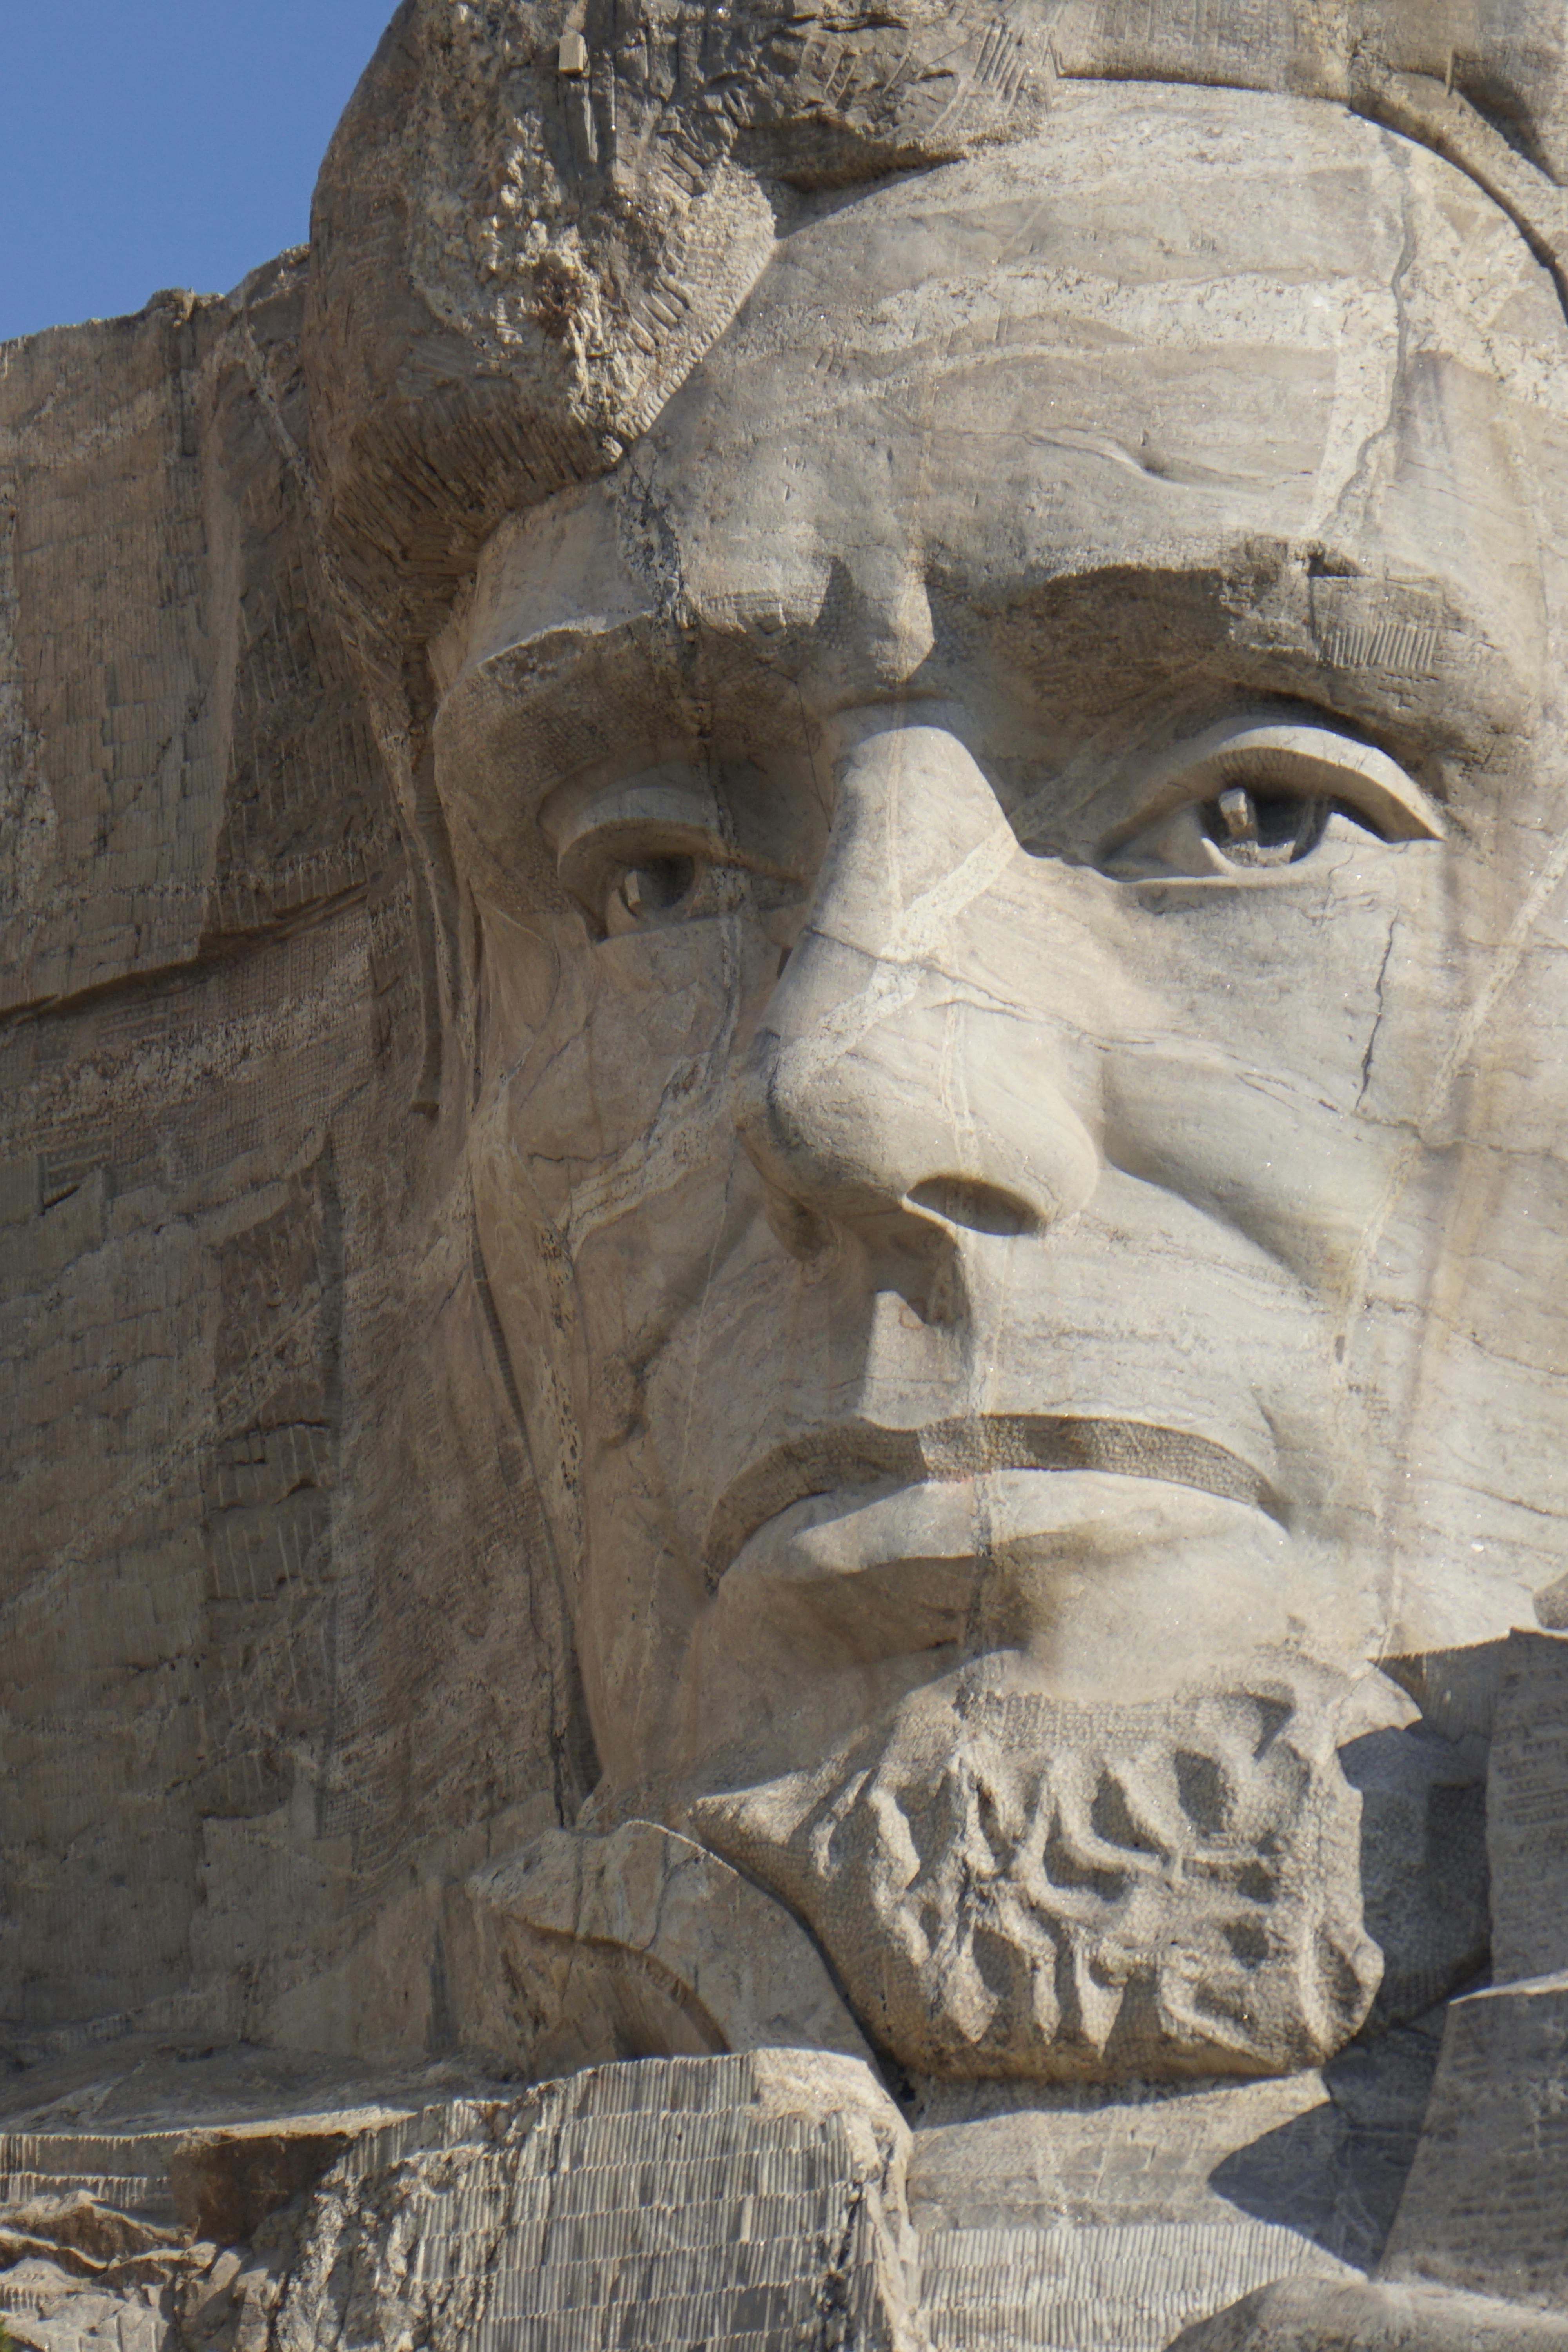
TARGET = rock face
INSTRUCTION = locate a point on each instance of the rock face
(739, 2200)
(784, 1060)
(725, 2201)
(582, 1948)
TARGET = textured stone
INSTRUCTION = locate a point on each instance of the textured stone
(1366, 2316)
(1171, 1895)
(1527, 1814)
(732, 2201)
(588, 1949)
(1483, 2207)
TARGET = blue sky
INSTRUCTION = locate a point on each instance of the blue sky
(161, 142)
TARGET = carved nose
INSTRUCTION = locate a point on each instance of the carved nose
(877, 1084)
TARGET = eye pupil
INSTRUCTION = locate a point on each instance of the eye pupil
(1237, 814)
(657, 886)
(1263, 828)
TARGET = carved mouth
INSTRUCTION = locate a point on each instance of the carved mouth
(859, 1454)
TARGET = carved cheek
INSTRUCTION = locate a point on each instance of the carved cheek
(1300, 1031)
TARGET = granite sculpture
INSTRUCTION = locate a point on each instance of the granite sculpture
(783, 1203)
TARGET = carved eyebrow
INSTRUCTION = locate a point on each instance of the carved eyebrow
(531, 712)
(551, 663)
(1387, 640)
(1428, 665)
(1397, 656)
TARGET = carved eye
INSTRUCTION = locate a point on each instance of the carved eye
(658, 850)
(1255, 796)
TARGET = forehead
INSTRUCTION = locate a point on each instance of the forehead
(1181, 327)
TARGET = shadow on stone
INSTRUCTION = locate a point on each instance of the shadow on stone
(1336, 2175)
(1425, 1885)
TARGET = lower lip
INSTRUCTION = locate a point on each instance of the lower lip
(1086, 1515)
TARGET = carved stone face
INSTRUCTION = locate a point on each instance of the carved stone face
(1021, 1063)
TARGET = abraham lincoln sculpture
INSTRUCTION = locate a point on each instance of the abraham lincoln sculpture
(784, 1197)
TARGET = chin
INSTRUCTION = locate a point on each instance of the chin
(1008, 1886)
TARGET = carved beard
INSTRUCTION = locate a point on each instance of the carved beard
(1009, 1886)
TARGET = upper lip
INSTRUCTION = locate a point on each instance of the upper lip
(860, 1453)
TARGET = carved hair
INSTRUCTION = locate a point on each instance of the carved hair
(537, 214)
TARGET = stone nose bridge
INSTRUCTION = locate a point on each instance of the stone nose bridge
(878, 1081)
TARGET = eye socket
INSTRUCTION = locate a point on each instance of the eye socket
(1252, 797)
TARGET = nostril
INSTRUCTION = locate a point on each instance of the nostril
(977, 1207)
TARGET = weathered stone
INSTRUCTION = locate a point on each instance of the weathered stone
(1363, 2315)
(1527, 1811)
(590, 1948)
(1483, 2208)
(732, 2201)
(227, 2183)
